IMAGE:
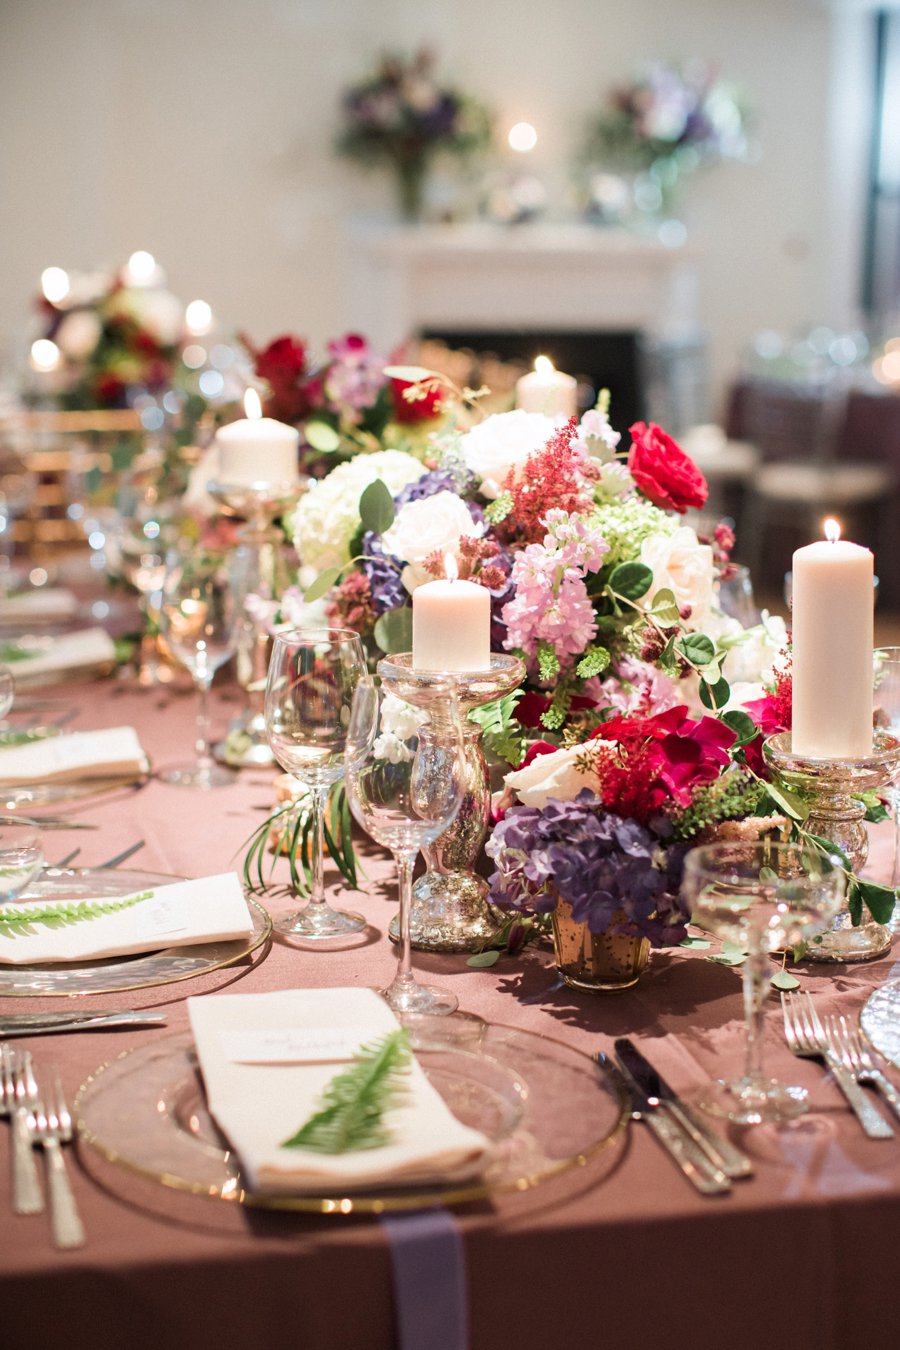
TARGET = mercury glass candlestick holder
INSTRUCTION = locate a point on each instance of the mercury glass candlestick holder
(833, 787)
(266, 574)
(450, 909)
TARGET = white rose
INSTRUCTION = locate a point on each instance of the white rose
(682, 564)
(554, 775)
(500, 443)
(753, 656)
(422, 527)
(78, 334)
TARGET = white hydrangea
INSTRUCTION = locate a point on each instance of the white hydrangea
(327, 517)
(399, 722)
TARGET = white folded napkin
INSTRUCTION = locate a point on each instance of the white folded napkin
(43, 604)
(113, 752)
(263, 1066)
(69, 651)
(210, 909)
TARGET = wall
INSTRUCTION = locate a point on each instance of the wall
(202, 132)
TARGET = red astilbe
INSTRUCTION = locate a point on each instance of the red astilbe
(351, 604)
(474, 563)
(772, 714)
(645, 762)
(558, 476)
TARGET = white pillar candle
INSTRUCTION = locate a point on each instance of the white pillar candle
(831, 663)
(257, 449)
(451, 626)
(547, 390)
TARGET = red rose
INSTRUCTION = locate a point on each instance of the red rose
(419, 409)
(282, 363)
(662, 470)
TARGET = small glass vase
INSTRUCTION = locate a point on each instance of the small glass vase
(596, 962)
(410, 176)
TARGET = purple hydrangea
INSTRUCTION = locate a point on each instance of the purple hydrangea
(383, 574)
(604, 866)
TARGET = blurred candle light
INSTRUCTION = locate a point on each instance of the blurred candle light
(198, 318)
(547, 390)
(141, 269)
(194, 356)
(522, 137)
(45, 355)
(55, 284)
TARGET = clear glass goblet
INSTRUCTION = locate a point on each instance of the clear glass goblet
(21, 859)
(149, 529)
(7, 691)
(309, 689)
(200, 609)
(405, 785)
(764, 896)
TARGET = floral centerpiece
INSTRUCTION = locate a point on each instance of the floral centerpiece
(663, 124)
(402, 116)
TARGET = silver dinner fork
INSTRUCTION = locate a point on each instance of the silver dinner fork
(860, 1061)
(16, 1078)
(806, 1037)
(52, 1127)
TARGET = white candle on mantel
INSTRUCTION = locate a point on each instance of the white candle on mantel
(257, 449)
(547, 390)
(451, 624)
(833, 636)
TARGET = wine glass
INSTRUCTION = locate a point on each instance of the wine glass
(309, 690)
(21, 859)
(149, 528)
(7, 691)
(200, 609)
(406, 774)
(764, 896)
(886, 698)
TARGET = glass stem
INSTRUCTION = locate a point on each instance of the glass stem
(405, 864)
(204, 759)
(319, 795)
(756, 986)
(895, 861)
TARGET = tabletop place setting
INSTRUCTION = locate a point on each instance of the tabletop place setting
(429, 854)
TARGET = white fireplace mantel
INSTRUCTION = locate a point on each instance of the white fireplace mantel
(565, 278)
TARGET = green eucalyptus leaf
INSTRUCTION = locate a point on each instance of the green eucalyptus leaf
(664, 608)
(742, 724)
(697, 943)
(854, 903)
(376, 507)
(321, 437)
(482, 960)
(322, 584)
(631, 580)
(696, 648)
(393, 631)
(789, 802)
(878, 900)
(714, 696)
(783, 979)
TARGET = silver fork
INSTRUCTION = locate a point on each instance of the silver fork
(15, 1077)
(51, 1129)
(806, 1037)
(860, 1061)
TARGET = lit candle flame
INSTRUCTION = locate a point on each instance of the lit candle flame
(141, 269)
(198, 318)
(451, 571)
(832, 529)
(55, 284)
(543, 365)
(252, 405)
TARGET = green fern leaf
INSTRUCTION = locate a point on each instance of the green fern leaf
(62, 914)
(351, 1116)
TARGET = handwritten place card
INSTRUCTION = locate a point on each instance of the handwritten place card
(295, 1045)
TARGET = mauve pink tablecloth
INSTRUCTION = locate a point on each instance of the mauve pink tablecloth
(620, 1254)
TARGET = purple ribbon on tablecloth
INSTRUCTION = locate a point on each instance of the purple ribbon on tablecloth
(429, 1271)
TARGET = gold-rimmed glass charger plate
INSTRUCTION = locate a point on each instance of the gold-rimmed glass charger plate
(115, 974)
(545, 1107)
(880, 1020)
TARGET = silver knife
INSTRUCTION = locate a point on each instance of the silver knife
(41, 1024)
(720, 1151)
(694, 1164)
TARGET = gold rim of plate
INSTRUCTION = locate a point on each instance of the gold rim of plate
(353, 1202)
(262, 932)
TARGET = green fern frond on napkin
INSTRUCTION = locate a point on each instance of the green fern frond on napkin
(20, 923)
(354, 1102)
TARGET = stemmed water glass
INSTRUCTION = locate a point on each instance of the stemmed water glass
(764, 896)
(200, 609)
(7, 691)
(148, 529)
(405, 784)
(886, 699)
(309, 690)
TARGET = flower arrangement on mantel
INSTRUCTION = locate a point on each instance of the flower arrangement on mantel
(403, 116)
(638, 728)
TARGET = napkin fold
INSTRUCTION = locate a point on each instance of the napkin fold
(209, 909)
(113, 752)
(260, 1104)
(44, 604)
(68, 652)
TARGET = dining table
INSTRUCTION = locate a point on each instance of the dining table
(616, 1250)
